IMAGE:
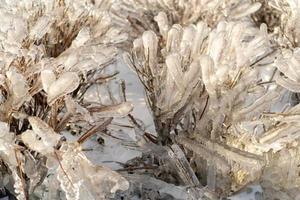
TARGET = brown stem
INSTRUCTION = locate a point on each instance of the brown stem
(53, 119)
(60, 165)
(94, 129)
(63, 122)
(21, 175)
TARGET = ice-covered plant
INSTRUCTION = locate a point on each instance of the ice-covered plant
(52, 53)
(169, 69)
(231, 77)
(221, 79)
(226, 78)
(287, 63)
(138, 16)
(289, 32)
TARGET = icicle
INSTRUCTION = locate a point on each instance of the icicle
(193, 75)
(217, 46)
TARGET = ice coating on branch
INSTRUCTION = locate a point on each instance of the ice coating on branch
(245, 9)
(18, 87)
(65, 84)
(6, 147)
(76, 110)
(41, 138)
(288, 64)
(289, 21)
(82, 37)
(150, 48)
(83, 179)
(47, 77)
(179, 12)
(163, 24)
(119, 110)
(41, 27)
(11, 156)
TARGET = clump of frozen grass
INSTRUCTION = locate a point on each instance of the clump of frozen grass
(289, 22)
(223, 81)
(138, 16)
(220, 78)
(52, 52)
(169, 70)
